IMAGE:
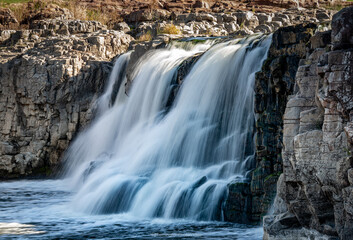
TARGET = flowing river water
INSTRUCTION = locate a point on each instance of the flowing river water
(153, 165)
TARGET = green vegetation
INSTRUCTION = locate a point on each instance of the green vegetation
(348, 152)
(336, 7)
(14, 1)
(196, 41)
(276, 174)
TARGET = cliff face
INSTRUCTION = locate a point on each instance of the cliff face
(248, 202)
(316, 188)
(49, 78)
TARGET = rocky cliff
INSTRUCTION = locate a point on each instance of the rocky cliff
(315, 190)
(273, 84)
(50, 76)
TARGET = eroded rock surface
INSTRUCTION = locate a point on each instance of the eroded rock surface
(48, 84)
(316, 185)
(273, 84)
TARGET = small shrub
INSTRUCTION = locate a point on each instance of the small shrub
(170, 29)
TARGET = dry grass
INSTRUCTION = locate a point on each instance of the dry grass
(145, 37)
(21, 8)
(170, 29)
(19, 11)
(79, 11)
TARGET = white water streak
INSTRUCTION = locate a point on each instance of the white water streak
(140, 159)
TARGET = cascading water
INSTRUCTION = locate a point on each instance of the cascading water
(139, 158)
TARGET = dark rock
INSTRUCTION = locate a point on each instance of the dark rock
(201, 4)
(316, 152)
(238, 203)
(320, 39)
(7, 17)
(273, 84)
(342, 29)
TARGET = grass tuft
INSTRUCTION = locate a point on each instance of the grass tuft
(145, 37)
(170, 29)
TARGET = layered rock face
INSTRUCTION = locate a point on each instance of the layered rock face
(273, 84)
(49, 79)
(236, 23)
(316, 188)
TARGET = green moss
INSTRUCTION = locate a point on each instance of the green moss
(196, 41)
(276, 174)
(45, 170)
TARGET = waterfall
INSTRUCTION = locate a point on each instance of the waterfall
(141, 158)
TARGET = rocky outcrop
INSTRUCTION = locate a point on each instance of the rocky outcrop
(48, 84)
(316, 188)
(7, 18)
(51, 11)
(273, 84)
(236, 23)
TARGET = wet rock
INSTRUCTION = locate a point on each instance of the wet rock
(273, 85)
(238, 203)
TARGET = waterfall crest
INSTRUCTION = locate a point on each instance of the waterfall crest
(141, 159)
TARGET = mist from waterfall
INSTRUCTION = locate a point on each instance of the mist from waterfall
(145, 158)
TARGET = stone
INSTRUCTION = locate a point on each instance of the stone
(264, 18)
(229, 18)
(320, 39)
(342, 29)
(350, 176)
(205, 17)
(231, 27)
(121, 26)
(65, 27)
(322, 16)
(7, 17)
(52, 86)
(201, 4)
(51, 11)
(238, 203)
(263, 28)
(317, 166)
